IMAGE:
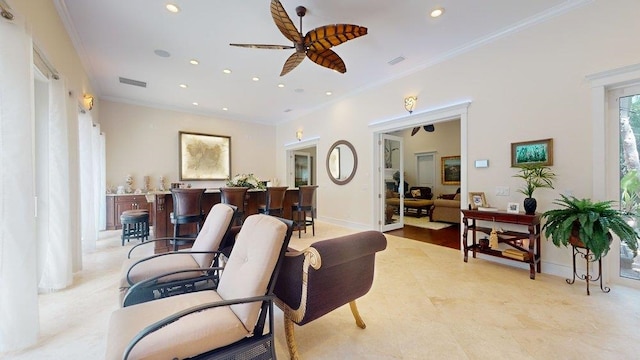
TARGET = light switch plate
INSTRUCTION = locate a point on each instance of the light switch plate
(502, 191)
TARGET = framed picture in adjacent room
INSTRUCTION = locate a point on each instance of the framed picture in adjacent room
(204, 156)
(450, 170)
(538, 152)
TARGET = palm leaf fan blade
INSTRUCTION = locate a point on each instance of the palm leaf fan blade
(328, 36)
(415, 130)
(328, 59)
(284, 23)
(294, 60)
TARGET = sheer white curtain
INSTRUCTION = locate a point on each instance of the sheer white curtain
(52, 187)
(19, 324)
(100, 201)
(89, 167)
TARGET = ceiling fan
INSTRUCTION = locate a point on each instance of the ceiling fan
(315, 45)
(427, 128)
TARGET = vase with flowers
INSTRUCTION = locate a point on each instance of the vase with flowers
(245, 180)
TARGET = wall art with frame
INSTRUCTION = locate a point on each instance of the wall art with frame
(450, 170)
(476, 200)
(204, 156)
(536, 152)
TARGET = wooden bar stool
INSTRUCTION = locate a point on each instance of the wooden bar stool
(300, 209)
(135, 225)
(236, 196)
(274, 201)
(187, 209)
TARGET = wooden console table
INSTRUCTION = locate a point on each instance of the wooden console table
(528, 242)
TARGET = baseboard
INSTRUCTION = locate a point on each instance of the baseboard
(346, 224)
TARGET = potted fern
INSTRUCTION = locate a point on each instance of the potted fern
(587, 224)
(535, 176)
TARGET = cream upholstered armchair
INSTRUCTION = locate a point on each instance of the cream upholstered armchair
(203, 254)
(236, 318)
(325, 276)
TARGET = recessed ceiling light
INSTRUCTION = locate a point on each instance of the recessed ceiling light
(437, 12)
(255, 78)
(195, 103)
(194, 62)
(161, 53)
(184, 86)
(280, 85)
(329, 93)
(226, 71)
(225, 109)
(173, 8)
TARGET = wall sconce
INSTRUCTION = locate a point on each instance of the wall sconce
(87, 101)
(410, 103)
(299, 135)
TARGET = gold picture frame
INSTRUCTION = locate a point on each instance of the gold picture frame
(477, 199)
(204, 156)
(450, 170)
(537, 152)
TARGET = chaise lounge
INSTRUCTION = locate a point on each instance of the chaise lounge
(324, 277)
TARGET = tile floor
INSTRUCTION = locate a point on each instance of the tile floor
(426, 303)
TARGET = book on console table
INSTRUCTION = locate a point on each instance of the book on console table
(516, 254)
(484, 208)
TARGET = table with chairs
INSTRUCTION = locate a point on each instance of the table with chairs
(255, 201)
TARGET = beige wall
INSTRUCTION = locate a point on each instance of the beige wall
(143, 141)
(525, 86)
(50, 36)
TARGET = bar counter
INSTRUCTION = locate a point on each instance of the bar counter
(161, 205)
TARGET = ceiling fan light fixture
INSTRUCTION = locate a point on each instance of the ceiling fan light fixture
(315, 45)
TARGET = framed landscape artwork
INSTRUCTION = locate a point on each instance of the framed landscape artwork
(450, 170)
(204, 156)
(538, 152)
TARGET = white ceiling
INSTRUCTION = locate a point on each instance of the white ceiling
(117, 38)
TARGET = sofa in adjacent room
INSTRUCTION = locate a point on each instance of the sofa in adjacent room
(446, 210)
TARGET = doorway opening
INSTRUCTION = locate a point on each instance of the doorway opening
(302, 163)
(403, 180)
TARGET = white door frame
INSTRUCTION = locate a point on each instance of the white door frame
(431, 116)
(290, 149)
(604, 182)
(401, 189)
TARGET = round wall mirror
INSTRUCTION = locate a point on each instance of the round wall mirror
(342, 162)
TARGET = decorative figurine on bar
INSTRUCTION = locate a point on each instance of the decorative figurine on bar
(129, 182)
(161, 184)
(147, 187)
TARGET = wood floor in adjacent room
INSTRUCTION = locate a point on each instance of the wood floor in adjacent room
(448, 237)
